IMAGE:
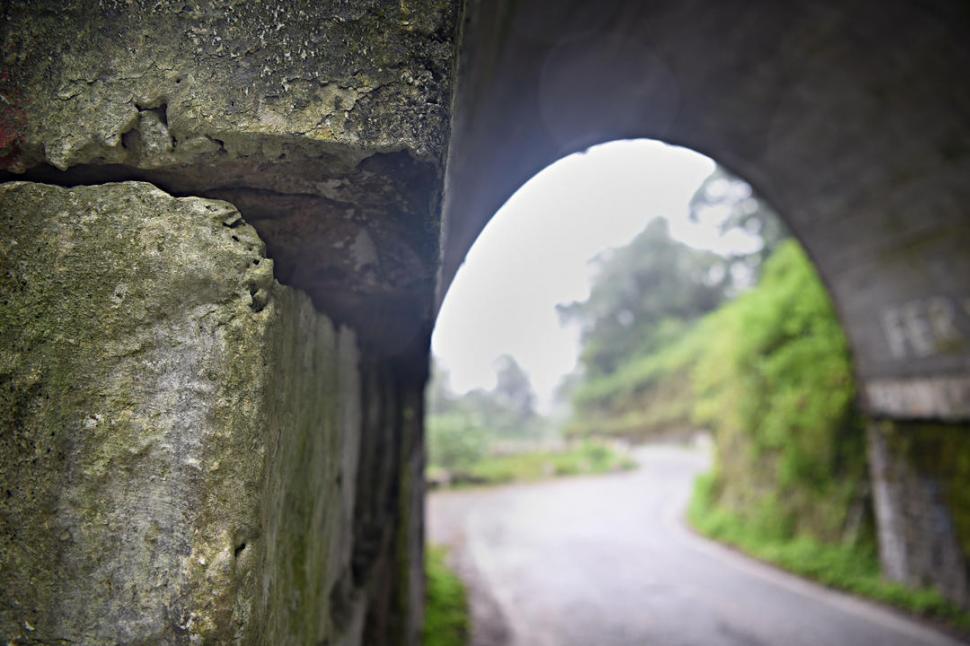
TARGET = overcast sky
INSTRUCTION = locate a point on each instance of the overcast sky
(536, 253)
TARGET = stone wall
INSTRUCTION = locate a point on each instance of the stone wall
(325, 123)
(191, 449)
(919, 476)
(150, 367)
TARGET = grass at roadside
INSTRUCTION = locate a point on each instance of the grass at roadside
(446, 611)
(848, 568)
(587, 458)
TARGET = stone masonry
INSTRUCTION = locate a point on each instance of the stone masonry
(225, 227)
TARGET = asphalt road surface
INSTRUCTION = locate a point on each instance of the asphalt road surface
(607, 561)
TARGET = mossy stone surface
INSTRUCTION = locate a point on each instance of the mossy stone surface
(326, 123)
(228, 77)
(168, 413)
(919, 471)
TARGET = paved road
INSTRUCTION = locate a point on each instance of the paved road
(605, 561)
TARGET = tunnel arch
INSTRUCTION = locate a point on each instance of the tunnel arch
(499, 218)
(860, 146)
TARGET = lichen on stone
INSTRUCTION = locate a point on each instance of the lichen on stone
(157, 387)
(339, 107)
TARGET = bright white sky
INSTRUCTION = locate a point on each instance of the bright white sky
(536, 253)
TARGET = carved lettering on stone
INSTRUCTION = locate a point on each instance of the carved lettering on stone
(942, 316)
(918, 330)
(926, 327)
(892, 324)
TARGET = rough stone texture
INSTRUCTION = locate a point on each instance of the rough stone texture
(391, 484)
(312, 425)
(849, 117)
(179, 434)
(324, 122)
(272, 77)
(919, 476)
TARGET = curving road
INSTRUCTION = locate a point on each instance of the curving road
(605, 561)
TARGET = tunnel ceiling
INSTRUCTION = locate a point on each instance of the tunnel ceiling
(852, 119)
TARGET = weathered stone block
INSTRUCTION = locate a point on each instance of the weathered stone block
(325, 123)
(178, 432)
(225, 79)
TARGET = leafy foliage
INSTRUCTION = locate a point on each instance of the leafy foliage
(464, 429)
(729, 203)
(455, 442)
(769, 373)
(640, 293)
(776, 386)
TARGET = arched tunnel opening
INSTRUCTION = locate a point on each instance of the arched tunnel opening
(635, 356)
(226, 230)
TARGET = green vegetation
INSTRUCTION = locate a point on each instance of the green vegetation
(588, 457)
(642, 294)
(769, 374)
(651, 393)
(765, 367)
(775, 384)
(496, 437)
(646, 321)
(446, 608)
(853, 568)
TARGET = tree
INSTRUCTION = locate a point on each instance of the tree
(513, 390)
(462, 429)
(729, 202)
(640, 292)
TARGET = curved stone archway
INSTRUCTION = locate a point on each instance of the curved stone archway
(850, 119)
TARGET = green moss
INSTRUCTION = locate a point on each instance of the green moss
(940, 452)
(446, 615)
(120, 396)
(179, 433)
(311, 419)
